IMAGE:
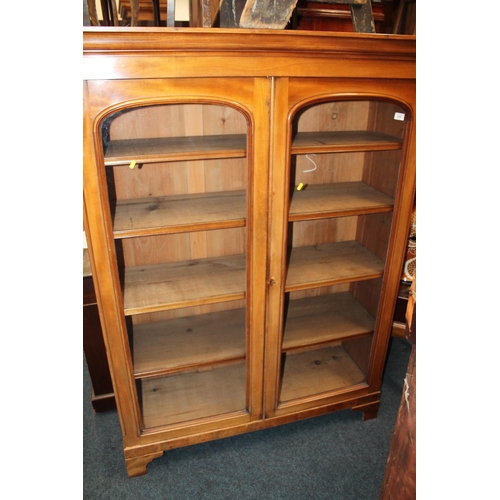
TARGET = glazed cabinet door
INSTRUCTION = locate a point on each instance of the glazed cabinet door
(179, 231)
(342, 195)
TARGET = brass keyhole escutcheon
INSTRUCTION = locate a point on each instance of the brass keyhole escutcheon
(272, 281)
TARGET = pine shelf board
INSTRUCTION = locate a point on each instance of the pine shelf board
(194, 395)
(325, 318)
(160, 287)
(340, 199)
(331, 263)
(315, 372)
(169, 214)
(152, 150)
(178, 344)
(343, 142)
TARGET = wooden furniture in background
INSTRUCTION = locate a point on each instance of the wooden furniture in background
(399, 321)
(405, 19)
(333, 16)
(108, 10)
(248, 197)
(401, 470)
(203, 13)
(102, 398)
(325, 15)
(148, 12)
(407, 277)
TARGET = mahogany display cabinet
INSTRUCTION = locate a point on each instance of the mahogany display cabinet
(247, 200)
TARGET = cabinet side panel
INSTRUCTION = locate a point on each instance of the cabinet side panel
(387, 118)
(367, 293)
(374, 232)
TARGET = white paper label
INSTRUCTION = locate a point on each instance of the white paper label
(399, 116)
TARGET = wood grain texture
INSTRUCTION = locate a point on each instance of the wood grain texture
(373, 232)
(326, 142)
(182, 284)
(137, 466)
(123, 152)
(331, 263)
(367, 293)
(340, 199)
(327, 318)
(118, 53)
(139, 40)
(184, 343)
(161, 215)
(314, 372)
(189, 396)
(203, 13)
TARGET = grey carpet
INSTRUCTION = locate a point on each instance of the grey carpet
(335, 457)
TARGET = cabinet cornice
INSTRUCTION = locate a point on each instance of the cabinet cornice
(116, 53)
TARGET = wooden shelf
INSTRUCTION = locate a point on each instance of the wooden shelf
(327, 318)
(315, 372)
(173, 214)
(180, 344)
(343, 141)
(122, 152)
(341, 199)
(188, 396)
(172, 285)
(331, 263)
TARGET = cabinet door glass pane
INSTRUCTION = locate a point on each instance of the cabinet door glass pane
(344, 167)
(177, 181)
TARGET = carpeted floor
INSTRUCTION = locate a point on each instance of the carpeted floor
(335, 457)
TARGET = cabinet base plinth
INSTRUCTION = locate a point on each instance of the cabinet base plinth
(137, 466)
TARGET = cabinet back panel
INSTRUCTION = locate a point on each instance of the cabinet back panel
(327, 168)
(223, 120)
(173, 120)
(155, 121)
(373, 115)
(335, 115)
(154, 179)
(187, 311)
(183, 246)
(316, 292)
(317, 232)
(171, 178)
(372, 231)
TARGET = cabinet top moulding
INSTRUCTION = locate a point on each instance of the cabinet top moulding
(122, 53)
